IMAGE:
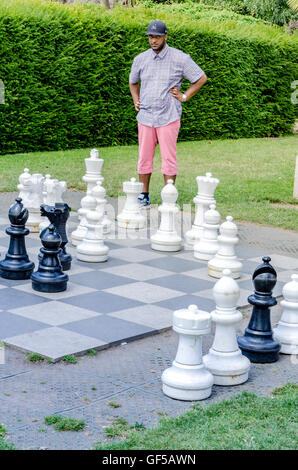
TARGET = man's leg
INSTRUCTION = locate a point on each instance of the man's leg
(167, 138)
(147, 144)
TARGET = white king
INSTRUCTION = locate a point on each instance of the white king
(205, 197)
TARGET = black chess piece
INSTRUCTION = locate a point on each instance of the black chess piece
(16, 264)
(49, 277)
(58, 216)
(257, 343)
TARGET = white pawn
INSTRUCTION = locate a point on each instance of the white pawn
(93, 169)
(208, 245)
(286, 332)
(35, 199)
(131, 216)
(225, 257)
(24, 187)
(166, 238)
(88, 203)
(206, 187)
(99, 193)
(188, 378)
(225, 360)
(92, 249)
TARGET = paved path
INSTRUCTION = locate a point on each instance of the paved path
(127, 374)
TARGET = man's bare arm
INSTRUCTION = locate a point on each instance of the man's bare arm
(135, 93)
(191, 91)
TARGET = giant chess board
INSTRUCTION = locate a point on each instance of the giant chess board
(130, 296)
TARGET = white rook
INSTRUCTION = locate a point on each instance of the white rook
(131, 216)
(188, 378)
(226, 257)
(286, 332)
(225, 360)
(206, 187)
(166, 238)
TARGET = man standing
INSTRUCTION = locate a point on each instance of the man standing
(161, 70)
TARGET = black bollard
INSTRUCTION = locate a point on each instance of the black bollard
(16, 264)
(58, 216)
(49, 276)
(257, 343)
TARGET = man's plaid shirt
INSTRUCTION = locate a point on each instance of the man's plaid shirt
(158, 74)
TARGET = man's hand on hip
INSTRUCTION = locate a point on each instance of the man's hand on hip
(137, 105)
(177, 94)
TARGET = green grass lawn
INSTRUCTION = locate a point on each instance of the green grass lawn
(245, 421)
(256, 175)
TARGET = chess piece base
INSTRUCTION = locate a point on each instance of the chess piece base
(162, 241)
(258, 348)
(216, 267)
(44, 284)
(130, 222)
(184, 382)
(16, 270)
(92, 251)
(227, 368)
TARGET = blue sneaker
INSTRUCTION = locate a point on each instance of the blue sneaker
(144, 201)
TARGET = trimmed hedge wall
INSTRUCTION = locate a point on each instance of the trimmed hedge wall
(65, 70)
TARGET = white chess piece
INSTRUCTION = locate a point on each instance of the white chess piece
(99, 193)
(286, 332)
(206, 187)
(35, 199)
(92, 249)
(24, 187)
(60, 188)
(225, 360)
(88, 203)
(166, 238)
(93, 169)
(226, 257)
(208, 245)
(52, 193)
(131, 216)
(188, 378)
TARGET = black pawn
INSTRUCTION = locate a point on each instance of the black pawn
(49, 276)
(16, 264)
(58, 216)
(257, 343)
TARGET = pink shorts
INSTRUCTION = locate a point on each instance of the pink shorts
(167, 139)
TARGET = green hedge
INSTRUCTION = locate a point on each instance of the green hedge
(65, 70)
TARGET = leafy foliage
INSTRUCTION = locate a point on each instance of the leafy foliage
(65, 69)
(275, 11)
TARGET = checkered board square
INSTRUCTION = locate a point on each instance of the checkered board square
(130, 296)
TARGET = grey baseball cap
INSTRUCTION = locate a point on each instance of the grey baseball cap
(157, 27)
